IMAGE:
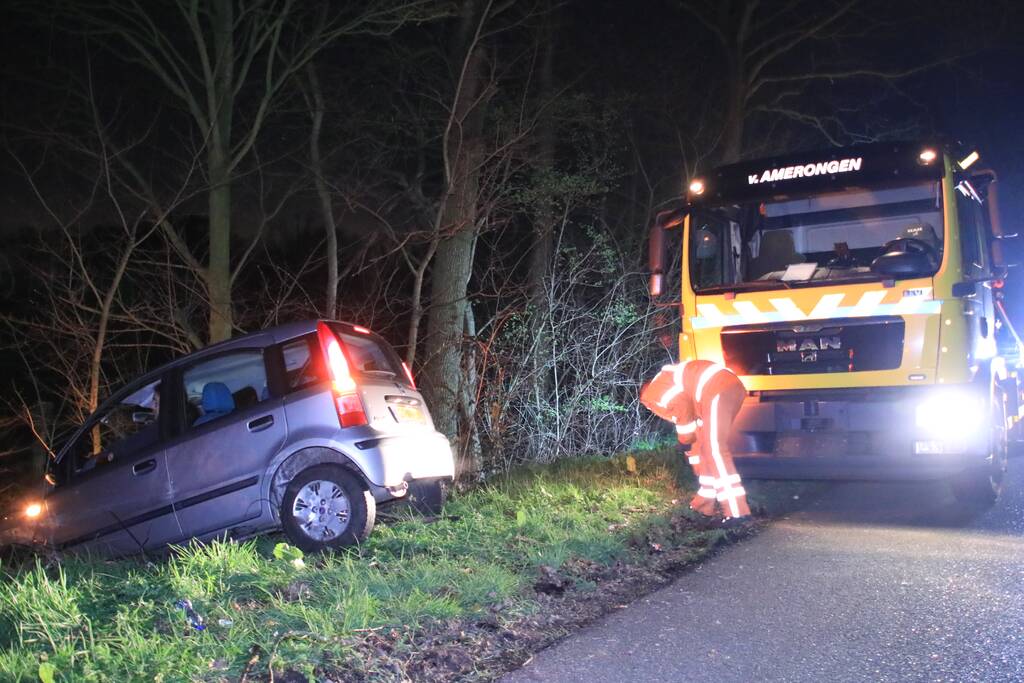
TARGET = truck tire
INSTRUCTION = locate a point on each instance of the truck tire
(326, 507)
(981, 487)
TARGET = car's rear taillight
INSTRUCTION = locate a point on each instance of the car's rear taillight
(343, 386)
(408, 373)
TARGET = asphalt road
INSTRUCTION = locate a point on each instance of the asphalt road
(871, 582)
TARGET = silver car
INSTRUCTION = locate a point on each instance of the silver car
(305, 427)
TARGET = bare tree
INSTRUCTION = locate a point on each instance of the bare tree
(228, 63)
(773, 52)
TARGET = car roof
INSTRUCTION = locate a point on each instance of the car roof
(259, 338)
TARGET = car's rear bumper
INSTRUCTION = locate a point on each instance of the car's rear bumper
(409, 457)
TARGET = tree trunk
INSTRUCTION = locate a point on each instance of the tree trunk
(735, 118)
(220, 95)
(452, 268)
(218, 272)
(541, 255)
(453, 263)
(323, 193)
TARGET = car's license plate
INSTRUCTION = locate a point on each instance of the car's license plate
(408, 414)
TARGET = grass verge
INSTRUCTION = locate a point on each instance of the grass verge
(510, 566)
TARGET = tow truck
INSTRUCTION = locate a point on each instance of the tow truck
(858, 293)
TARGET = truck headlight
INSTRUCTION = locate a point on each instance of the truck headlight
(951, 415)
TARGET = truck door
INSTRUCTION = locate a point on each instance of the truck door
(977, 266)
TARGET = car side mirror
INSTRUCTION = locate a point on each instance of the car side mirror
(143, 417)
(900, 264)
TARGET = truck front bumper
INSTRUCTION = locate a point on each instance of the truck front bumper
(860, 434)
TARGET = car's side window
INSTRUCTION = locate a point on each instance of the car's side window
(120, 431)
(222, 385)
(303, 363)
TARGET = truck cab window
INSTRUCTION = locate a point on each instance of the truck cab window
(835, 236)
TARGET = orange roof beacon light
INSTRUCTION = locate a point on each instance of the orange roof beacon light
(927, 156)
(697, 186)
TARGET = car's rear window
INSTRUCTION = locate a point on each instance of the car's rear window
(370, 356)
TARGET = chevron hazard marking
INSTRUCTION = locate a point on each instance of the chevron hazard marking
(750, 311)
(827, 306)
(913, 302)
(868, 303)
(711, 313)
(788, 309)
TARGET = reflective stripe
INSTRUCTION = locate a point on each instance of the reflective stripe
(868, 303)
(731, 495)
(730, 479)
(788, 309)
(705, 377)
(711, 313)
(707, 480)
(707, 493)
(828, 306)
(693, 459)
(749, 310)
(716, 453)
(688, 428)
(677, 383)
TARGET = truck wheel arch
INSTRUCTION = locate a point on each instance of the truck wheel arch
(302, 460)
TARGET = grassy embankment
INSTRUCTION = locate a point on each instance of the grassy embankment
(495, 555)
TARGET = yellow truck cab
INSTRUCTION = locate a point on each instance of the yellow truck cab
(857, 294)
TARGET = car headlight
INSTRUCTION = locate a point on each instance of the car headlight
(949, 415)
(33, 510)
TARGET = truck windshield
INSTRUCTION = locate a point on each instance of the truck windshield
(810, 240)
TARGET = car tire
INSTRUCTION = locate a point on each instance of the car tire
(428, 496)
(326, 507)
(981, 487)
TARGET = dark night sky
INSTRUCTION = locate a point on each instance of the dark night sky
(642, 49)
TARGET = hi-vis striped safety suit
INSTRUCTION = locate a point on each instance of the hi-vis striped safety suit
(702, 399)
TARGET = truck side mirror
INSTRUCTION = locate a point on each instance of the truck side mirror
(656, 248)
(656, 259)
(902, 264)
(962, 289)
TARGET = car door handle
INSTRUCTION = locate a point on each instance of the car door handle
(260, 423)
(143, 467)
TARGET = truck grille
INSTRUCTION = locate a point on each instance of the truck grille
(814, 346)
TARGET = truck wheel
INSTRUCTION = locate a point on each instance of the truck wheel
(981, 487)
(325, 506)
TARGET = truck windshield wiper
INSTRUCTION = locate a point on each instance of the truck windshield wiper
(744, 286)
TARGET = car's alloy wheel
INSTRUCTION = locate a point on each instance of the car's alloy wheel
(326, 506)
(322, 510)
